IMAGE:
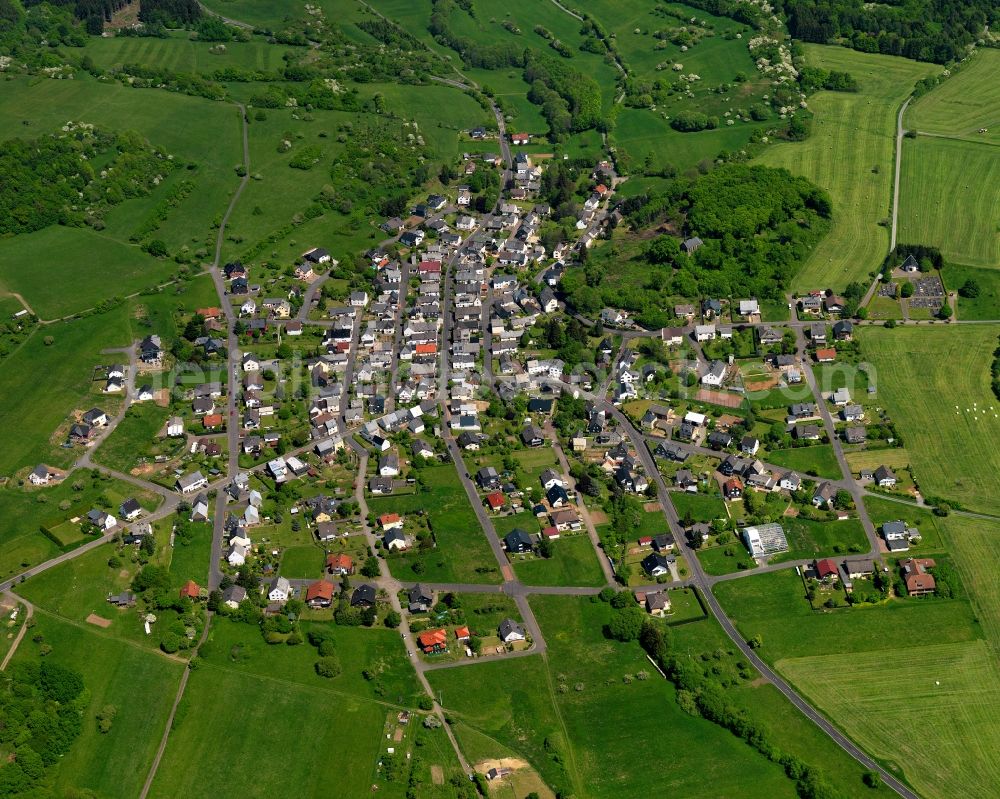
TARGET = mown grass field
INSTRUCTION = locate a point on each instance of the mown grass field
(702, 507)
(140, 684)
(819, 460)
(974, 547)
(573, 562)
(182, 54)
(927, 709)
(461, 544)
(853, 135)
(607, 759)
(932, 381)
(87, 267)
(316, 750)
(962, 104)
(948, 198)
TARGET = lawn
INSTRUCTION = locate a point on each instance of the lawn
(964, 103)
(811, 539)
(190, 561)
(774, 606)
(718, 561)
(701, 507)
(986, 304)
(935, 382)
(140, 684)
(948, 198)
(462, 553)
(850, 154)
(573, 562)
(819, 460)
(302, 562)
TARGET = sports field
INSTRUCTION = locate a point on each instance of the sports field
(948, 198)
(935, 383)
(964, 103)
(929, 710)
(850, 154)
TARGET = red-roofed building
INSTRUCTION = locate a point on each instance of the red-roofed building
(432, 641)
(732, 488)
(827, 355)
(340, 564)
(209, 313)
(551, 533)
(646, 541)
(212, 421)
(190, 590)
(429, 267)
(520, 138)
(919, 581)
(496, 501)
(600, 189)
(319, 594)
(826, 568)
(390, 521)
(463, 634)
(426, 349)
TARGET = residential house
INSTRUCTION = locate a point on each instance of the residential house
(364, 596)
(510, 631)
(916, 574)
(657, 565)
(280, 590)
(518, 541)
(319, 594)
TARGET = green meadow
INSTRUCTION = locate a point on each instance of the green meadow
(850, 154)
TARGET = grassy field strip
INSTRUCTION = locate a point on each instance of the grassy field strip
(975, 546)
(850, 154)
(923, 375)
(948, 198)
(930, 709)
(964, 103)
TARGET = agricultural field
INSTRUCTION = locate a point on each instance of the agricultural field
(935, 383)
(344, 752)
(462, 553)
(850, 154)
(139, 683)
(872, 696)
(573, 562)
(973, 546)
(180, 53)
(962, 104)
(948, 199)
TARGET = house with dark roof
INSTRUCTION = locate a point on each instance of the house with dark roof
(363, 596)
(518, 541)
(656, 565)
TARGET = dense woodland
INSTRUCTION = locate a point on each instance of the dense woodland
(758, 225)
(72, 178)
(42, 708)
(925, 30)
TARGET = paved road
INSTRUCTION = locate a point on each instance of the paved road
(29, 611)
(233, 420)
(896, 171)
